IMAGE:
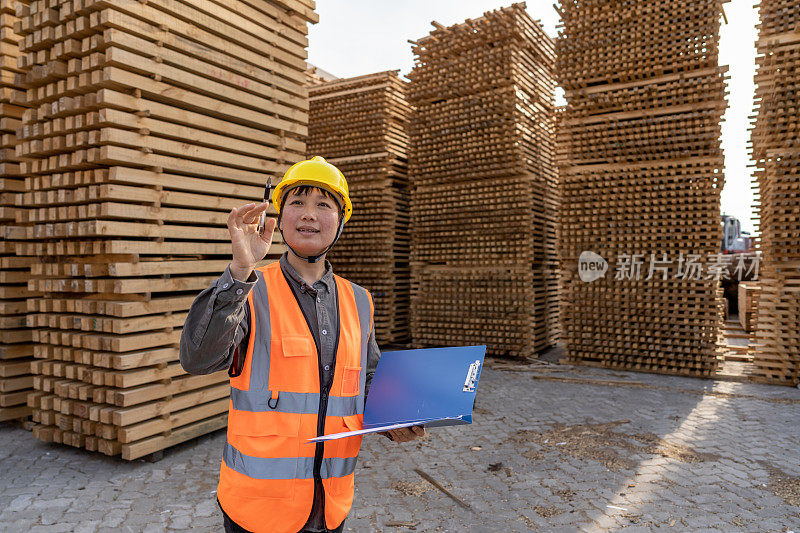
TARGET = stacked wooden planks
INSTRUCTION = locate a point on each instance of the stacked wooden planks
(641, 177)
(148, 122)
(776, 151)
(360, 125)
(484, 268)
(16, 348)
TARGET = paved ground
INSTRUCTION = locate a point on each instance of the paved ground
(552, 449)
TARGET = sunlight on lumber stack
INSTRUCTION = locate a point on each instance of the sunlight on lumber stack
(148, 122)
(360, 125)
(485, 187)
(776, 150)
(641, 173)
(16, 348)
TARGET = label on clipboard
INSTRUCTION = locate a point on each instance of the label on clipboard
(472, 377)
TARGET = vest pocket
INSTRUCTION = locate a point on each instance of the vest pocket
(264, 424)
(268, 447)
(293, 365)
(351, 375)
(296, 346)
(346, 452)
(350, 446)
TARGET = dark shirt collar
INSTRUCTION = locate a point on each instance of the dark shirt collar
(326, 280)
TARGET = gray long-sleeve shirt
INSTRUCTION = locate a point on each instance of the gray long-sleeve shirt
(218, 324)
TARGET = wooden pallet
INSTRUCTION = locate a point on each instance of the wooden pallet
(776, 151)
(16, 346)
(485, 198)
(146, 123)
(641, 172)
(748, 305)
(360, 124)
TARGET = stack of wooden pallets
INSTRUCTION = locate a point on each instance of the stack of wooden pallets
(360, 125)
(776, 150)
(641, 174)
(148, 122)
(16, 349)
(485, 186)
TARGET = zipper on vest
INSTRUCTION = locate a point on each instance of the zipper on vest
(323, 408)
(323, 389)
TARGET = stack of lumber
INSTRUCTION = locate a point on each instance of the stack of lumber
(315, 75)
(641, 174)
(16, 348)
(484, 266)
(776, 151)
(748, 304)
(148, 122)
(360, 125)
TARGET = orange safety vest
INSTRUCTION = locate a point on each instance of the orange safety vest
(266, 480)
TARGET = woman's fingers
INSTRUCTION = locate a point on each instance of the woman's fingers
(242, 212)
(269, 229)
(246, 215)
(254, 213)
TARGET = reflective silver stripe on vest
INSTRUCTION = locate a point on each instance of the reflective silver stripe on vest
(365, 320)
(286, 467)
(292, 402)
(337, 467)
(259, 366)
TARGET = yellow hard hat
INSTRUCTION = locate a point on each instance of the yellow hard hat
(315, 172)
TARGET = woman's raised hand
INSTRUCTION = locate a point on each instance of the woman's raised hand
(249, 247)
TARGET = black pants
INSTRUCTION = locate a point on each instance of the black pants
(233, 527)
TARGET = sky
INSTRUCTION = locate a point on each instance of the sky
(355, 37)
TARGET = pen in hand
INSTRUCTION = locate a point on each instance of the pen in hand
(267, 198)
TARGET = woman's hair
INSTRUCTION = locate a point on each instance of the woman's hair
(304, 190)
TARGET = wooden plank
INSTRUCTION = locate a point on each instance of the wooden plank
(99, 228)
(14, 413)
(190, 431)
(166, 423)
(146, 393)
(132, 360)
(152, 268)
(151, 410)
(16, 384)
(14, 368)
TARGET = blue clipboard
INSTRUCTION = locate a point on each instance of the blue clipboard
(434, 387)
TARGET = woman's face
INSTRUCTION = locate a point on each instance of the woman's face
(309, 221)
